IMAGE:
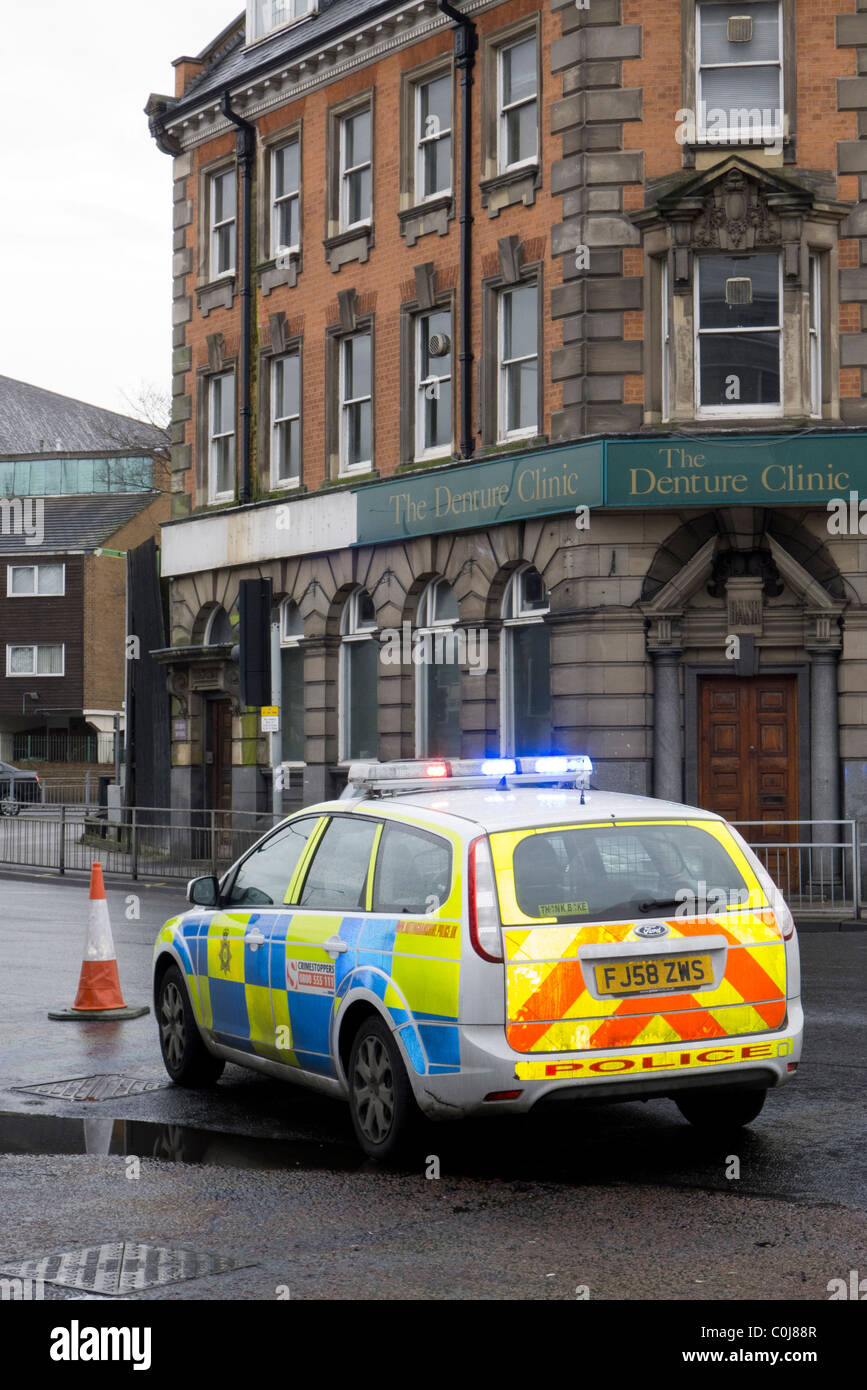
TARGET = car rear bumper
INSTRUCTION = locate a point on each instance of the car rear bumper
(489, 1065)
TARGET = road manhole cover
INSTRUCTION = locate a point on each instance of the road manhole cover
(122, 1267)
(105, 1087)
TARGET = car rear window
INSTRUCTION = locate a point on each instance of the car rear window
(612, 872)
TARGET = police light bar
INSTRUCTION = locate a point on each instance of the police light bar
(414, 773)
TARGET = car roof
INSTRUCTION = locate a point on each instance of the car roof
(498, 809)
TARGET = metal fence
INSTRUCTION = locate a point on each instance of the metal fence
(60, 747)
(146, 842)
(817, 865)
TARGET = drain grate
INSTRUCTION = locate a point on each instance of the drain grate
(121, 1267)
(104, 1087)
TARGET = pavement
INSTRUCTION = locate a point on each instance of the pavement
(623, 1201)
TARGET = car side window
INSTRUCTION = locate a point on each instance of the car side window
(265, 875)
(337, 878)
(413, 872)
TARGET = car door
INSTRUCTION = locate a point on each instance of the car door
(234, 943)
(330, 894)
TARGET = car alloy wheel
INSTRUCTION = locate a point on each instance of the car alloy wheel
(187, 1060)
(173, 1033)
(9, 806)
(373, 1088)
(385, 1116)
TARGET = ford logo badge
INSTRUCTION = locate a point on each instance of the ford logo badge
(651, 930)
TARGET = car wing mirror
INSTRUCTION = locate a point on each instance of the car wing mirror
(204, 892)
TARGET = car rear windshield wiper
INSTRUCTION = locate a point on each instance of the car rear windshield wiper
(659, 902)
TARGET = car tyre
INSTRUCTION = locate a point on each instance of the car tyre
(10, 806)
(385, 1116)
(185, 1057)
(719, 1111)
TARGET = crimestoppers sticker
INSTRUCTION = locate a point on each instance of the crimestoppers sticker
(310, 976)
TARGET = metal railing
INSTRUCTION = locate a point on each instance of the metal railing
(61, 748)
(817, 867)
(145, 842)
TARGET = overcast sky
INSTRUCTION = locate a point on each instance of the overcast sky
(85, 218)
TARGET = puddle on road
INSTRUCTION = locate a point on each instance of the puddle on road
(58, 1134)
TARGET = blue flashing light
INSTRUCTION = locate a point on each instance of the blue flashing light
(499, 767)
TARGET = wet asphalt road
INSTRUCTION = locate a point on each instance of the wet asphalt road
(624, 1201)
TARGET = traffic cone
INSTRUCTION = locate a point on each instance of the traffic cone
(99, 994)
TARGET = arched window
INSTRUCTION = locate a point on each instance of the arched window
(438, 674)
(526, 666)
(218, 630)
(359, 669)
(291, 682)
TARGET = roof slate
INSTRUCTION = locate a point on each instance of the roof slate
(36, 421)
(70, 523)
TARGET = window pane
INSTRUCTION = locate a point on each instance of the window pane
(362, 669)
(49, 661)
(358, 442)
(413, 872)
(440, 323)
(51, 579)
(288, 442)
(357, 139)
(715, 46)
(521, 133)
(751, 359)
(292, 707)
(443, 603)
(531, 688)
(762, 271)
(358, 367)
(519, 71)
(438, 416)
(286, 170)
(264, 878)
(533, 595)
(224, 196)
(437, 165)
(23, 580)
(359, 196)
(21, 660)
(288, 227)
(337, 878)
(436, 100)
(225, 460)
(522, 395)
(750, 97)
(287, 377)
(520, 336)
(443, 692)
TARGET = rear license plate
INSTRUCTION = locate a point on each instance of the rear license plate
(663, 972)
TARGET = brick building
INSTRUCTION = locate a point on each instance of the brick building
(75, 481)
(578, 373)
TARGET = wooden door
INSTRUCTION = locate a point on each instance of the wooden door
(219, 771)
(748, 753)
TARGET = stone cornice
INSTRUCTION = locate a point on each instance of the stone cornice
(292, 77)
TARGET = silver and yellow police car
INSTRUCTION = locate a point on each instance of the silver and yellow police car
(453, 938)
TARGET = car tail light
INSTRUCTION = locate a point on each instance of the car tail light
(484, 918)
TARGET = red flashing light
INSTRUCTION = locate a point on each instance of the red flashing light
(437, 770)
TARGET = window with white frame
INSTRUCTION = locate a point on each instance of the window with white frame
(355, 169)
(291, 699)
(286, 198)
(263, 16)
(739, 335)
(433, 414)
(221, 437)
(438, 674)
(433, 137)
(739, 64)
(359, 668)
(518, 361)
(517, 103)
(40, 659)
(815, 335)
(29, 581)
(222, 209)
(356, 403)
(526, 666)
(286, 420)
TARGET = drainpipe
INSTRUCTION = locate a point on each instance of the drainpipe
(465, 45)
(246, 146)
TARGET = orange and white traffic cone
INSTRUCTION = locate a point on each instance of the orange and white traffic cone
(99, 995)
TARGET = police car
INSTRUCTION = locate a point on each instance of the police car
(456, 938)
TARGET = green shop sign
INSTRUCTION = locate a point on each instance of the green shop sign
(798, 469)
(482, 494)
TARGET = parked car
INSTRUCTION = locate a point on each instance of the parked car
(17, 789)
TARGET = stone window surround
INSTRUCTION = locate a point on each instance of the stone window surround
(434, 214)
(270, 277)
(218, 293)
(203, 406)
(335, 336)
(501, 189)
(342, 247)
(410, 311)
(489, 423)
(281, 346)
(689, 95)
